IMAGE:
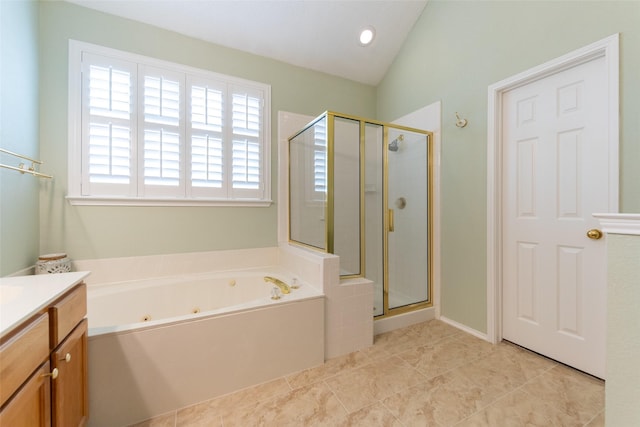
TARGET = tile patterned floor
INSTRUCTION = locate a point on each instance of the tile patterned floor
(429, 374)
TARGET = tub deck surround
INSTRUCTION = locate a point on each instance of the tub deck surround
(21, 296)
(348, 306)
(348, 303)
(145, 369)
(150, 371)
(349, 317)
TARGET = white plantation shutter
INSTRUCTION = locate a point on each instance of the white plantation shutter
(107, 123)
(157, 133)
(162, 133)
(207, 138)
(247, 148)
(320, 161)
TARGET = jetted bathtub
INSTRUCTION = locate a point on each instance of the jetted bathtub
(156, 345)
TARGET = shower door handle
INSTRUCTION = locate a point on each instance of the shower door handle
(391, 224)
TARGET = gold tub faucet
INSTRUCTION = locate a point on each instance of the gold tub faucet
(284, 288)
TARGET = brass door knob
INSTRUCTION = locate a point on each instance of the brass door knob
(594, 234)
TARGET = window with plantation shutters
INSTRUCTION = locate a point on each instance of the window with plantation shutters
(148, 132)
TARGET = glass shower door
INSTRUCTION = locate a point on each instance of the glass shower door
(360, 189)
(374, 208)
(408, 220)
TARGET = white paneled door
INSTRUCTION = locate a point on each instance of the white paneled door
(555, 176)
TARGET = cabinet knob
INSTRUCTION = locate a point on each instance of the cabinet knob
(67, 357)
(53, 374)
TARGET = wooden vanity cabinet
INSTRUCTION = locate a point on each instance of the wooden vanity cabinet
(69, 390)
(25, 395)
(23, 352)
(31, 405)
(43, 367)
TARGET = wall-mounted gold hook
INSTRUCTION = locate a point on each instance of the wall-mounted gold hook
(460, 122)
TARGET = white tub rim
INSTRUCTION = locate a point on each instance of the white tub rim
(306, 291)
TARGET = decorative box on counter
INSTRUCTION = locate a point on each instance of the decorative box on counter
(53, 263)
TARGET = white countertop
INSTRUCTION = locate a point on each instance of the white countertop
(21, 296)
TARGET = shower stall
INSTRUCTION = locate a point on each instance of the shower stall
(361, 189)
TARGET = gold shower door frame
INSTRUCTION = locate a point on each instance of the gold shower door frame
(330, 204)
(388, 224)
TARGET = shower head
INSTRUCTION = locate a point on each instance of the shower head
(395, 144)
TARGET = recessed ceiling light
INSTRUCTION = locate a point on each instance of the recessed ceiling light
(366, 36)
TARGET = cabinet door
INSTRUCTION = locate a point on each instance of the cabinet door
(22, 354)
(69, 399)
(31, 405)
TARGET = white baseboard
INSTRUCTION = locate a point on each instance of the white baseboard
(465, 328)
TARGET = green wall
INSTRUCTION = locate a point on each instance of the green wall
(89, 232)
(19, 224)
(454, 52)
(622, 392)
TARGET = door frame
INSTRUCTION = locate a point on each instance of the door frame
(607, 48)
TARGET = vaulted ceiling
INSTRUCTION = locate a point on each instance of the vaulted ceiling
(320, 35)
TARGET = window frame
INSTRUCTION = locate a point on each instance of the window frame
(76, 159)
